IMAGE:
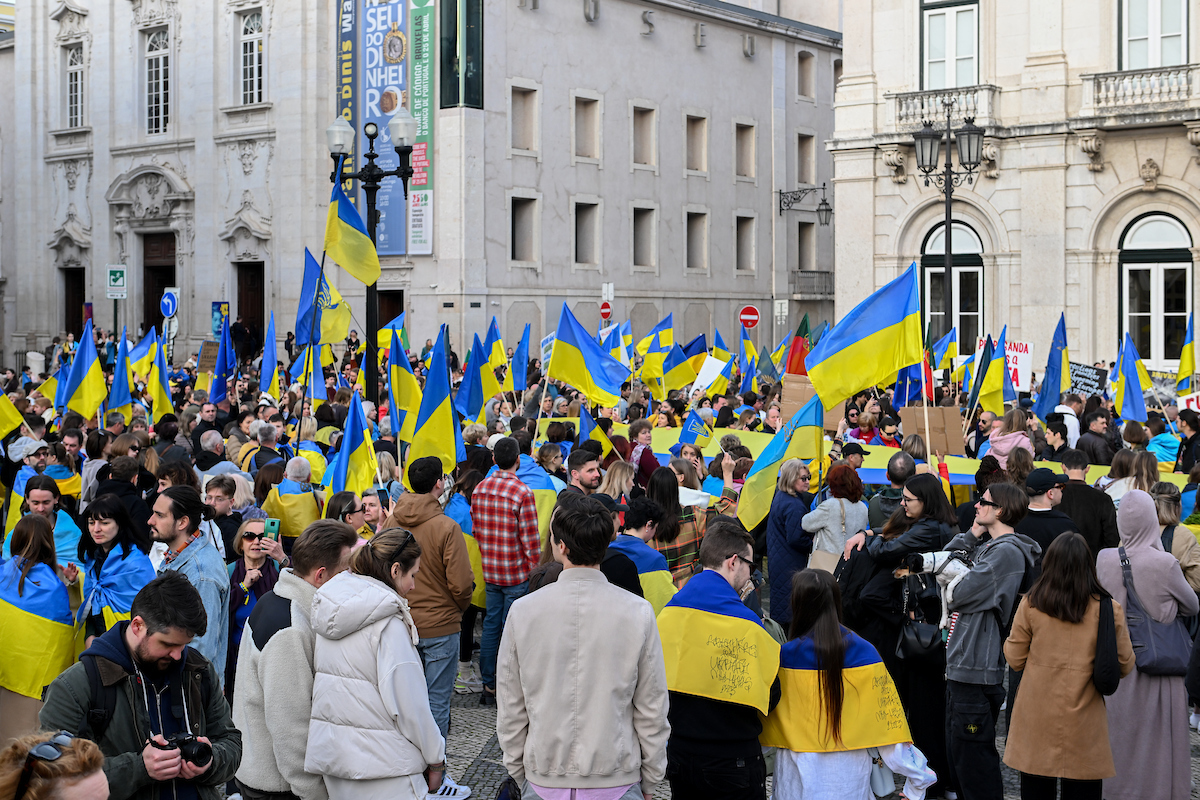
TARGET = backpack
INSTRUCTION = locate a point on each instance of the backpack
(102, 705)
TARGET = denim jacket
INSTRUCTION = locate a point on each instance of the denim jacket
(201, 564)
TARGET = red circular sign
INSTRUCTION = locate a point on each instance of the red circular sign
(748, 316)
(605, 310)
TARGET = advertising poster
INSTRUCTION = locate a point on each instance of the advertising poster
(220, 310)
(420, 188)
(347, 79)
(383, 88)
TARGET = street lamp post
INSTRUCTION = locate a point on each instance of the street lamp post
(970, 151)
(402, 129)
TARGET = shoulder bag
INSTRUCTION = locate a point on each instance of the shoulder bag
(1106, 669)
(919, 641)
(1158, 648)
(823, 559)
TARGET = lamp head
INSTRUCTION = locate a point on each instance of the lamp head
(402, 128)
(927, 142)
(969, 139)
(340, 137)
(371, 130)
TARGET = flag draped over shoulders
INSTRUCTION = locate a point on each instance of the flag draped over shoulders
(35, 626)
(109, 588)
(653, 572)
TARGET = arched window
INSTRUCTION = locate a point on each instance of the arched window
(1156, 288)
(967, 266)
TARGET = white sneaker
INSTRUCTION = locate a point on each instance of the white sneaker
(467, 681)
(1194, 720)
(450, 789)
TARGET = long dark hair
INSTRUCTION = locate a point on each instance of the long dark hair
(817, 614)
(109, 506)
(1068, 581)
(927, 488)
(33, 541)
(663, 489)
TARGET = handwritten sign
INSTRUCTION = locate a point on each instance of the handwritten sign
(1018, 357)
(1087, 380)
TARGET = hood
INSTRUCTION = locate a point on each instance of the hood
(119, 488)
(892, 493)
(1137, 521)
(1029, 548)
(111, 645)
(348, 603)
(1005, 443)
(206, 460)
(415, 509)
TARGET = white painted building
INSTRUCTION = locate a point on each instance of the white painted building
(641, 143)
(1087, 197)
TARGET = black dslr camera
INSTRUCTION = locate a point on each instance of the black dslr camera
(191, 749)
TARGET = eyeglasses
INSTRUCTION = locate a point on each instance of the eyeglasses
(804, 477)
(745, 561)
(51, 750)
(906, 499)
(987, 503)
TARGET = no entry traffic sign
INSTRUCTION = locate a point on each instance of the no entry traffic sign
(606, 311)
(748, 316)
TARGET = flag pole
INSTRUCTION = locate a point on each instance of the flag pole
(925, 408)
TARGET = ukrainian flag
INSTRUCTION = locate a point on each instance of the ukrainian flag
(696, 350)
(459, 510)
(576, 359)
(480, 382)
(695, 431)
(404, 393)
(312, 377)
(497, 357)
(1057, 378)
(1187, 359)
(747, 352)
(615, 347)
(719, 350)
(657, 586)
(588, 429)
(355, 467)
(800, 438)
(721, 384)
(111, 589)
(945, 350)
(35, 626)
(119, 397)
(346, 239)
(520, 363)
(86, 388)
(158, 388)
(654, 349)
(269, 374)
(10, 418)
(881, 336)
(294, 505)
(141, 357)
(545, 488)
(660, 337)
(963, 373)
(323, 316)
(715, 647)
(226, 367)
(311, 453)
(1133, 380)
(997, 382)
(677, 369)
(749, 383)
(70, 484)
(983, 363)
(14, 504)
(437, 431)
(627, 339)
(49, 387)
(871, 712)
(397, 324)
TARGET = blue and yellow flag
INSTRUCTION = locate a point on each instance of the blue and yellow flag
(119, 397)
(963, 373)
(677, 369)
(311, 453)
(871, 712)
(226, 368)
(294, 505)
(749, 378)
(479, 385)
(877, 339)
(945, 350)
(696, 350)
(497, 356)
(715, 647)
(158, 387)
(997, 386)
(695, 430)
(1057, 378)
(323, 315)
(1132, 381)
(981, 367)
(35, 626)
(719, 350)
(721, 384)
(397, 324)
(1187, 359)
(10, 418)
(437, 431)
(800, 438)
(355, 467)
(615, 347)
(588, 429)
(747, 352)
(110, 591)
(627, 339)
(404, 393)
(520, 362)
(346, 239)
(141, 357)
(660, 338)
(653, 574)
(576, 359)
(545, 488)
(86, 387)
(269, 374)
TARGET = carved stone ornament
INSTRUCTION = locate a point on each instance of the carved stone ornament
(893, 156)
(71, 172)
(248, 232)
(72, 242)
(1150, 173)
(1193, 136)
(147, 193)
(154, 12)
(1092, 143)
(247, 151)
(71, 21)
(990, 158)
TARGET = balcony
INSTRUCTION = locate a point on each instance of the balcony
(907, 110)
(1141, 91)
(810, 284)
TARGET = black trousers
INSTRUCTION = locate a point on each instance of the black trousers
(972, 711)
(466, 635)
(701, 776)
(1036, 787)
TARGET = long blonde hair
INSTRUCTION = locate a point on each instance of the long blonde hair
(619, 474)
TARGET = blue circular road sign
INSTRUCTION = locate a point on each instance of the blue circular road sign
(169, 304)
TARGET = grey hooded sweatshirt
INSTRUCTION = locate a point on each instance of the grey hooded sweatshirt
(975, 651)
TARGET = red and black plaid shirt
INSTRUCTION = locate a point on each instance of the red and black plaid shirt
(505, 523)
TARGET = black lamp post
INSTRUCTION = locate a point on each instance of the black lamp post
(795, 197)
(970, 152)
(402, 130)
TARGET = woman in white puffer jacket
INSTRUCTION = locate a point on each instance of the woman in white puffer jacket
(372, 734)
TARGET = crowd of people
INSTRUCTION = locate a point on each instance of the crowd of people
(186, 605)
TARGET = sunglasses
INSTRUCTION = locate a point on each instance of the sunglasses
(135, 449)
(407, 538)
(249, 536)
(987, 503)
(804, 477)
(46, 751)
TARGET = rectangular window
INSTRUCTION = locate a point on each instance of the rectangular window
(744, 244)
(643, 136)
(1155, 33)
(697, 144)
(524, 119)
(805, 79)
(806, 171)
(587, 128)
(523, 240)
(461, 53)
(806, 246)
(158, 81)
(587, 233)
(697, 240)
(644, 224)
(74, 85)
(744, 150)
(251, 31)
(1156, 304)
(951, 43)
(967, 300)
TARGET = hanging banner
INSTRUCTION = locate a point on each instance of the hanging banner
(383, 66)
(420, 187)
(347, 78)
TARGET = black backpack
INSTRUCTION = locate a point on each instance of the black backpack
(103, 700)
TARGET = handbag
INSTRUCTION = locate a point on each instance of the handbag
(1106, 669)
(1158, 648)
(823, 559)
(919, 640)
(883, 780)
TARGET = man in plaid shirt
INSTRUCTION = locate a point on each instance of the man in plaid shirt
(504, 515)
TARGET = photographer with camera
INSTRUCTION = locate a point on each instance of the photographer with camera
(152, 703)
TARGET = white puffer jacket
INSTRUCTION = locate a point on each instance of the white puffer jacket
(370, 711)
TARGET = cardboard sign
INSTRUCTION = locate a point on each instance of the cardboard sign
(206, 362)
(798, 390)
(1018, 357)
(945, 429)
(1087, 380)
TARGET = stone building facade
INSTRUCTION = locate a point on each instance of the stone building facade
(646, 149)
(1086, 200)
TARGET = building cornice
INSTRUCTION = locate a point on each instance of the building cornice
(754, 20)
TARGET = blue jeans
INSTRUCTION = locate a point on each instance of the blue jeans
(499, 601)
(439, 657)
